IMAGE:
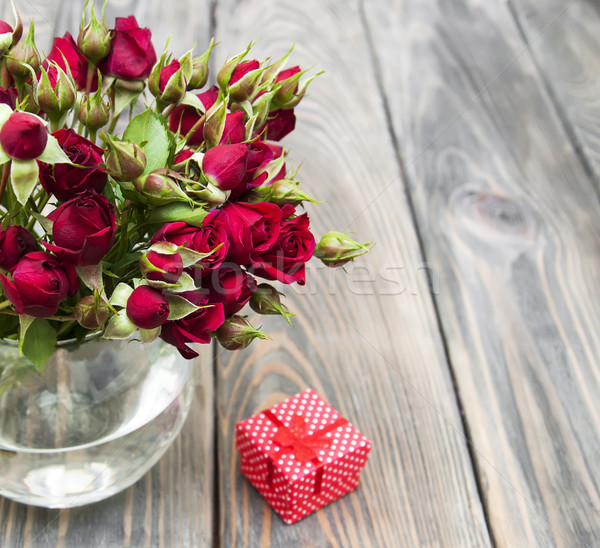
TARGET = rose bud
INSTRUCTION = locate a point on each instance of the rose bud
(55, 98)
(288, 80)
(294, 247)
(195, 327)
(6, 37)
(94, 39)
(199, 73)
(91, 313)
(235, 129)
(244, 81)
(161, 267)
(181, 158)
(132, 54)
(124, 161)
(280, 192)
(225, 166)
(161, 189)
(15, 243)
(66, 54)
(23, 136)
(168, 83)
(93, 112)
(85, 173)
(147, 307)
(253, 229)
(231, 286)
(279, 124)
(40, 282)
(337, 249)
(24, 53)
(83, 229)
(266, 300)
(237, 333)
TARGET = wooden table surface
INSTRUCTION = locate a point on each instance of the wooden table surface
(463, 137)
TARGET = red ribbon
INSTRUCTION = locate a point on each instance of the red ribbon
(297, 441)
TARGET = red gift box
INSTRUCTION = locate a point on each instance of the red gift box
(301, 454)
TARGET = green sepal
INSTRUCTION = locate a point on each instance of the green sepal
(91, 276)
(148, 335)
(23, 178)
(25, 322)
(180, 307)
(119, 327)
(185, 283)
(53, 154)
(178, 211)
(121, 295)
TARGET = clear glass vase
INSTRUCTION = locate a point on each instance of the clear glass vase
(98, 418)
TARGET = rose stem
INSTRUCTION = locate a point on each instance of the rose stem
(195, 127)
(5, 172)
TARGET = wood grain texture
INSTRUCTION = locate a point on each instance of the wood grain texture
(509, 220)
(173, 504)
(564, 42)
(368, 341)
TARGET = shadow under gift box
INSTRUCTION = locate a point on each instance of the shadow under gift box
(301, 455)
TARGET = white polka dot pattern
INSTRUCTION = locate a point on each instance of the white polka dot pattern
(291, 488)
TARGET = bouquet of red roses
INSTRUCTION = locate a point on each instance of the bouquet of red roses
(163, 227)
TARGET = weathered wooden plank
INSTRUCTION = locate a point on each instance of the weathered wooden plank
(369, 341)
(564, 42)
(173, 504)
(509, 220)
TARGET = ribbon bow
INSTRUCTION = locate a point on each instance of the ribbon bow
(296, 440)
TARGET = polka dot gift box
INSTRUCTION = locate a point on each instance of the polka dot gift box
(301, 455)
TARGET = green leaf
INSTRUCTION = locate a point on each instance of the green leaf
(23, 177)
(39, 342)
(53, 154)
(149, 131)
(178, 212)
(44, 221)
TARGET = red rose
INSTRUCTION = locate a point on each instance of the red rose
(196, 327)
(225, 166)
(261, 154)
(171, 263)
(241, 69)
(15, 243)
(39, 284)
(253, 229)
(132, 54)
(279, 124)
(229, 285)
(23, 136)
(295, 245)
(83, 229)
(147, 307)
(65, 180)
(211, 237)
(184, 117)
(63, 49)
(9, 97)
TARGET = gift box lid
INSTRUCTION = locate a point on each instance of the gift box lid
(304, 433)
